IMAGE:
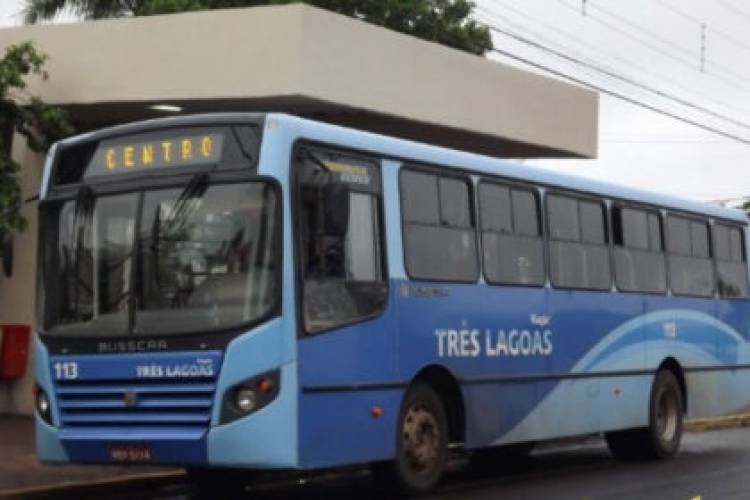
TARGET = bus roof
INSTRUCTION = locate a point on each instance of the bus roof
(440, 156)
(405, 150)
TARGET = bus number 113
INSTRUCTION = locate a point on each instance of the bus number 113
(66, 371)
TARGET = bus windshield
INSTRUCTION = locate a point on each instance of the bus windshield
(178, 260)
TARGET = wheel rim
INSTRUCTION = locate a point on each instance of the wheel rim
(667, 414)
(421, 439)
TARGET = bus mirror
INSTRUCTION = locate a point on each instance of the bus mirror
(6, 253)
(336, 196)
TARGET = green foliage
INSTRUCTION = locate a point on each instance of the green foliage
(442, 21)
(28, 115)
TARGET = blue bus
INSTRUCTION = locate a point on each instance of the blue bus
(263, 291)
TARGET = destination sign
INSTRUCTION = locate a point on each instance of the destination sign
(155, 153)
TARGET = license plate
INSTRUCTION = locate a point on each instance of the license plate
(130, 453)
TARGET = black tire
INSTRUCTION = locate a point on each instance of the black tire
(661, 439)
(421, 441)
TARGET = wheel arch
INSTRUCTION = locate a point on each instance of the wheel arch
(445, 384)
(675, 367)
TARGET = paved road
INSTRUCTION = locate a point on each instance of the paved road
(711, 465)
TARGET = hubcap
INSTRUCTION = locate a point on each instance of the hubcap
(421, 438)
(667, 412)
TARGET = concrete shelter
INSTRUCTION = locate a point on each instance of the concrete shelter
(295, 59)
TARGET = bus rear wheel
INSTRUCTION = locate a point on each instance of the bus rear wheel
(422, 440)
(661, 439)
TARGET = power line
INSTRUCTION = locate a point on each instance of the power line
(578, 40)
(730, 6)
(619, 95)
(617, 76)
(692, 60)
(717, 32)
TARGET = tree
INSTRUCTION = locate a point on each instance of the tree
(26, 114)
(442, 21)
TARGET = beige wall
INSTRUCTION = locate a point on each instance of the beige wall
(17, 294)
(335, 67)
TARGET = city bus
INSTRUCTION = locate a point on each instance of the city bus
(268, 292)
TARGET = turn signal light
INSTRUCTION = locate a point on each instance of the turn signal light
(265, 385)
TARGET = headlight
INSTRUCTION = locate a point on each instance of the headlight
(249, 396)
(42, 404)
(244, 399)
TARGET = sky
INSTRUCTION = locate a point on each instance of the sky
(651, 53)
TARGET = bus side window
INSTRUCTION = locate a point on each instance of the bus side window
(438, 227)
(638, 251)
(579, 254)
(342, 268)
(731, 272)
(690, 267)
(512, 247)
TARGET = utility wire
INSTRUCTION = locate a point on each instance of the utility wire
(579, 41)
(616, 76)
(730, 6)
(691, 60)
(721, 34)
(618, 95)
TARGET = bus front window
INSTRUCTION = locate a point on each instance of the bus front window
(166, 261)
(207, 260)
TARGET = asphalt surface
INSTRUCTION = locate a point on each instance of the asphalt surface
(711, 465)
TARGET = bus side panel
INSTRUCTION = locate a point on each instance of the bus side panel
(706, 337)
(585, 325)
(340, 427)
(734, 389)
(594, 378)
(489, 338)
(686, 330)
(344, 375)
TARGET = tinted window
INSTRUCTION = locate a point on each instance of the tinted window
(678, 230)
(735, 245)
(730, 261)
(690, 268)
(639, 263)
(635, 230)
(445, 250)
(655, 242)
(721, 242)
(419, 197)
(563, 218)
(525, 213)
(592, 222)
(512, 247)
(455, 209)
(494, 208)
(699, 238)
(579, 256)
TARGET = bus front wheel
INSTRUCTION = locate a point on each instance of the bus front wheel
(661, 439)
(422, 440)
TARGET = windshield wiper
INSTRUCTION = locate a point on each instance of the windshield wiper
(194, 190)
(82, 213)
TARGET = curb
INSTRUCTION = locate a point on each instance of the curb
(709, 424)
(69, 487)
